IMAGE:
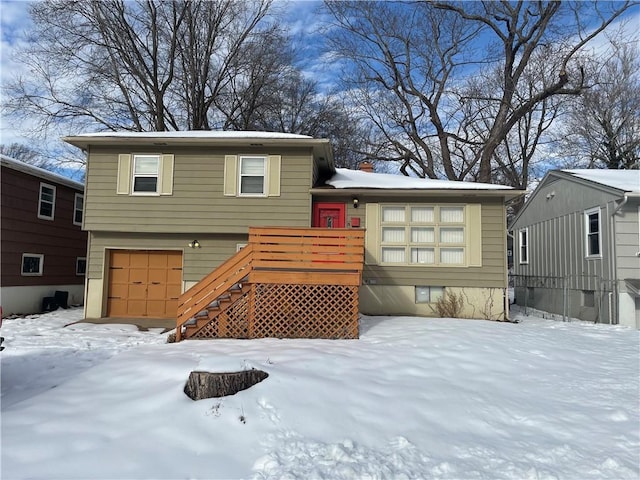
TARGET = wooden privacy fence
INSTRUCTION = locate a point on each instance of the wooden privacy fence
(287, 283)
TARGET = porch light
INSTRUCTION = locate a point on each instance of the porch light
(356, 202)
(194, 244)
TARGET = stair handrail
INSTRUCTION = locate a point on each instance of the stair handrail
(214, 285)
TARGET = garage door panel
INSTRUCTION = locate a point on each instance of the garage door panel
(146, 283)
(119, 290)
(137, 308)
(158, 275)
(117, 307)
(119, 259)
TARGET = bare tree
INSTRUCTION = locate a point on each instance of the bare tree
(408, 73)
(26, 154)
(602, 128)
(132, 65)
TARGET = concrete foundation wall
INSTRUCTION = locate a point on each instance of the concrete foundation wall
(25, 300)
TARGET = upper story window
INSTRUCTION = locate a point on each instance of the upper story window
(77, 209)
(81, 265)
(423, 235)
(252, 175)
(523, 243)
(146, 170)
(32, 264)
(47, 202)
(593, 239)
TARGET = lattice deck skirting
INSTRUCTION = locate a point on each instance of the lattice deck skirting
(289, 311)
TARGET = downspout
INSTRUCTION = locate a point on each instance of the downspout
(614, 260)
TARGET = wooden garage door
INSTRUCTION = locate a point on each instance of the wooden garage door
(144, 283)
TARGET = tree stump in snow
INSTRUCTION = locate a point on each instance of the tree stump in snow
(211, 385)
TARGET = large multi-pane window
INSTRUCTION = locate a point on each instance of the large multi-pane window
(423, 235)
(252, 175)
(146, 170)
(592, 231)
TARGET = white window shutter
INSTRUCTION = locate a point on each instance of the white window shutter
(124, 174)
(166, 175)
(273, 175)
(230, 175)
(474, 234)
(372, 234)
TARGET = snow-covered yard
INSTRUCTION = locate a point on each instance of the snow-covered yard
(414, 398)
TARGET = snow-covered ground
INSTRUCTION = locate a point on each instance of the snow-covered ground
(414, 398)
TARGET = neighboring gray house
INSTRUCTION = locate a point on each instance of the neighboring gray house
(577, 246)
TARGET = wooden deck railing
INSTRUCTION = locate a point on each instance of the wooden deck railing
(294, 256)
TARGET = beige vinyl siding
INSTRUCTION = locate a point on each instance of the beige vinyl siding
(198, 202)
(198, 263)
(627, 229)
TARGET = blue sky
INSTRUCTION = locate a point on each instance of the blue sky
(303, 18)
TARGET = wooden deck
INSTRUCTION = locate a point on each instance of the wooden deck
(286, 283)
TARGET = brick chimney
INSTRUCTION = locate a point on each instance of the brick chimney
(366, 167)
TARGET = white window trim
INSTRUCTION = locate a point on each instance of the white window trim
(53, 205)
(32, 274)
(85, 266)
(526, 246)
(75, 208)
(436, 245)
(240, 246)
(591, 211)
(265, 176)
(158, 174)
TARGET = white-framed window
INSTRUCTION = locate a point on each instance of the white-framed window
(593, 237)
(253, 173)
(146, 173)
(423, 235)
(523, 245)
(47, 201)
(78, 207)
(32, 264)
(428, 294)
(81, 266)
(240, 246)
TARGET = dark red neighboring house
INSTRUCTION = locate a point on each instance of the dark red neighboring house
(42, 245)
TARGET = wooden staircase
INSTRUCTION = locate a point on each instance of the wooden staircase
(284, 283)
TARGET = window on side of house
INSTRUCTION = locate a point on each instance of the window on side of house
(146, 171)
(32, 264)
(81, 265)
(593, 243)
(252, 176)
(78, 208)
(523, 244)
(428, 294)
(47, 202)
(422, 235)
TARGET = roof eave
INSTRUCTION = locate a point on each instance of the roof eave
(406, 192)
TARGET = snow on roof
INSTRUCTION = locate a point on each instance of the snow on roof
(196, 134)
(39, 172)
(626, 180)
(345, 178)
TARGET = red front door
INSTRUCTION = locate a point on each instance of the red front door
(329, 215)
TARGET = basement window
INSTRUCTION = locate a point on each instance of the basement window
(428, 294)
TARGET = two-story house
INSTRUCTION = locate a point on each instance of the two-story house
(43, 247)
(577, 248)
(164, 209)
